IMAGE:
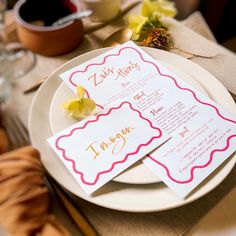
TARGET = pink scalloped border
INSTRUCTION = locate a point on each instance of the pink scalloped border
(114, 163)
(178, 86)
(194, 167)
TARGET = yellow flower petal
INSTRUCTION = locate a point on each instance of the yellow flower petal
(88, 106)
(158, 7)
(80, 107)
(136, 23)
(69, 105)
(80, 91)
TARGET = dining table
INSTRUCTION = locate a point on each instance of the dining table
(213, 213)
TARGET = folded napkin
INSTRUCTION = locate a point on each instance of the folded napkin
(24, 199)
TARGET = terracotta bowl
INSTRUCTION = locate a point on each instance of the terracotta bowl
(46, 39)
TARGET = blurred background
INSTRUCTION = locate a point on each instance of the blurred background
(220, 16)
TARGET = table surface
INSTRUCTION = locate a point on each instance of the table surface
(220, 220)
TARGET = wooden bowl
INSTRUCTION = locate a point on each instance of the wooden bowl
(47, 40)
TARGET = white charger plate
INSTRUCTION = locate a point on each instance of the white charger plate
(120, 196)
(59, 120)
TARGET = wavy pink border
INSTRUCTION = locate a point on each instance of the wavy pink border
(178, 86)
(114, 163)
(194, 167)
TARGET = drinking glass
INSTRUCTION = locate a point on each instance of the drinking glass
(5, 72)
(5, 83)
(21, 59)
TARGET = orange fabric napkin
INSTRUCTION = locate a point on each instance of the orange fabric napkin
(24, 199)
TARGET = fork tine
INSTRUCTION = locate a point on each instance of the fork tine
(9, 133)
(17, 137)
(16, 131)
(22, 131)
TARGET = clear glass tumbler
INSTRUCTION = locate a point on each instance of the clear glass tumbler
(5, 72)
(21, 59)
(5, 83)
(5, 76)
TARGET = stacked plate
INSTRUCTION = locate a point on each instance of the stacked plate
(137, 189)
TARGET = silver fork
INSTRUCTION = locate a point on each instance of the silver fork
(16, 130)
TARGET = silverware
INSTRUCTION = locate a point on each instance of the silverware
(34, 86)
(73, 16)
(121, 36)
(16, 131)
(76, 215)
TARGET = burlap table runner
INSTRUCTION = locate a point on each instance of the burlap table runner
(110, 222)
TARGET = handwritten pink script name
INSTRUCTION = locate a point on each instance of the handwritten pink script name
(116, 73)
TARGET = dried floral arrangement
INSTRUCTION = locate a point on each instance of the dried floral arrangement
(148, 29)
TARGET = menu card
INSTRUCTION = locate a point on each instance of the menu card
(203, 133)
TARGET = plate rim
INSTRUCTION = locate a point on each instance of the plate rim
(179, 202)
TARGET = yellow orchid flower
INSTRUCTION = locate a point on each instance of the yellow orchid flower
(158, 7)
(151, 12)
(80, 91)
(136, 23)
(80, 107)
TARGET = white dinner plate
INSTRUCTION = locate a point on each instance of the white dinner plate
(59, 120)
(120, 196)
